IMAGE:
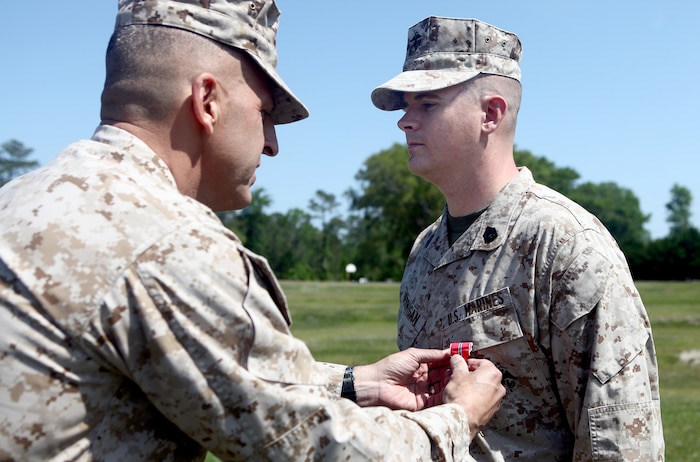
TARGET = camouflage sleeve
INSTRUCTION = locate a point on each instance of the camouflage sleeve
(196, 328)
(604, 361)
(334, 373)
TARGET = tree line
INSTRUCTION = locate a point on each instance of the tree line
(390, 206)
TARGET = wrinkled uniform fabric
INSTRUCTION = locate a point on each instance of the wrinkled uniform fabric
(136, 327)
(543, 291)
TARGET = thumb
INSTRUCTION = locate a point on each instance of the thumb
(459, 364)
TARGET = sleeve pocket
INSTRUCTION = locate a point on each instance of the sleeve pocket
(580, 288)
(626, 432)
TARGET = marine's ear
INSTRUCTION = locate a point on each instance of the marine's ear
(205, 101)
(494, 107)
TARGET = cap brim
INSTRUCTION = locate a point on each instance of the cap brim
(389, 96)
(288, 108)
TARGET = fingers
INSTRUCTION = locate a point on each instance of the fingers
(439, 378)
(489, 373)
(476, 386)
(475, 363)
(432, 357)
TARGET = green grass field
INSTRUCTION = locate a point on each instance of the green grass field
(354, 323)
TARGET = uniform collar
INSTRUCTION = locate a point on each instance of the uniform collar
(487, 233)
(140, 154)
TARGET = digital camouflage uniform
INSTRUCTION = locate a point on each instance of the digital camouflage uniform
(136, 327)
(543, 291)
(537, 283)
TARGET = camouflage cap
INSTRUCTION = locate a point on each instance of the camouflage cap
(250, 26)
(442, 52)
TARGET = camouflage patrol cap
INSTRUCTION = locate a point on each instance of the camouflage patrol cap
(250, 26)
(442, 52)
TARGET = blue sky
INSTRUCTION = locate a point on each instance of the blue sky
(610, 87)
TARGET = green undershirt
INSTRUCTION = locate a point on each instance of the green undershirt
(456, 226)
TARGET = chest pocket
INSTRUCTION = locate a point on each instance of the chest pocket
(491, 322)
(488, 321)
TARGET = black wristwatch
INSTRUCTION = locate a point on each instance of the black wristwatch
(348, 390)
